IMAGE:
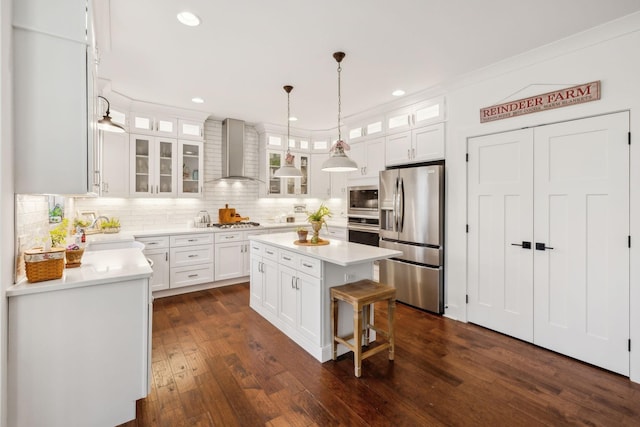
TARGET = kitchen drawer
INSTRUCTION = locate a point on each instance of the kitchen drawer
(289, 258)
(154, 242)
(270, 252)
(310, 266)
(337, 233)
(256, 248)
(191, 275)
(248, 233)
(191, 239)
(191, 255)
(231, 236)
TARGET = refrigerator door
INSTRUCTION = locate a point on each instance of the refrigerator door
(416, 285)
(388, 198)
(420, 194)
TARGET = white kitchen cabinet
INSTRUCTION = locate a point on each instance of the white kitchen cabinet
(230, 248)
(153, 166)
(325, 184)
(80, 355)
(54, 144)
(264, 277)
(190, 129)
(299, 293)
(334, 233)
(320, 180)
(369, 156)
(153, 124)
(115, 167)
(157, 250)
(422, 144)
(369, 127)
(232, 254)
(191, 259)
(287, 186)
(191, 157)
(416, 115)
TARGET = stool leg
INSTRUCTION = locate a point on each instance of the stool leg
(391, 308)
(334, 328)
(366, 317)
(357, 339)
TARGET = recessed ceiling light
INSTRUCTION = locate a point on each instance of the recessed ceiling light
(397, 92)
(293, 119)
(188, 19)
(197, 100)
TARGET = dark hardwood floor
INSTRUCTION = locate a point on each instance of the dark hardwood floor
(216, 362)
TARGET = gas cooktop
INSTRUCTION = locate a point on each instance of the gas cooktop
(248, 224)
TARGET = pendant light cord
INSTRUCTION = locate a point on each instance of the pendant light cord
(339, 103)
(288, 121)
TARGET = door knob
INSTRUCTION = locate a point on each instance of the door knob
(523, 245)
(542, 247)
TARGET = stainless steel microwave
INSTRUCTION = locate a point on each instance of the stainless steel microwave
(363, 200)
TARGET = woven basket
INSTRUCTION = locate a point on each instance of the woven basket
(74, 257)
(43, 265)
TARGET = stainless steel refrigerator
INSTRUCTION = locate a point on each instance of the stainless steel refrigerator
(411, 202)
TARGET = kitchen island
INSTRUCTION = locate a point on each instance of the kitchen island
(290, 286)
(80, 346)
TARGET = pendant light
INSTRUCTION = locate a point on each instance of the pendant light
(106, 124)
(339, 162)
(288, 170)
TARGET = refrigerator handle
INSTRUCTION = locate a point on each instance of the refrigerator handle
(395, 205)
(401, 205)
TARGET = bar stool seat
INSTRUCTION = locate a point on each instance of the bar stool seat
(362, 295)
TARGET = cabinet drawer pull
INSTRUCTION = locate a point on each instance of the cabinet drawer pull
(192, 240)
(192, 275)
(151, 243)
(287, 258)
(307, 265)
(269, 252)
(229, 237)
(193, 256)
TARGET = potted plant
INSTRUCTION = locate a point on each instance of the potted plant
(316, 219)
(302, 234)
(110, 226)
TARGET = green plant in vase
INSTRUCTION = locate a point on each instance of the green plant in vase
(316, 219)
(59, 234)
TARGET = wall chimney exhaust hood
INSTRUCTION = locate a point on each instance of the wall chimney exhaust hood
(233, 151)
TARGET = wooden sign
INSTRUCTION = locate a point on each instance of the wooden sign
(547, 101)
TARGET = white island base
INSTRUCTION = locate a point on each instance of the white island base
(290, 286)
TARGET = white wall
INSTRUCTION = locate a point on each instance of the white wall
(6, 193)
(607, 53)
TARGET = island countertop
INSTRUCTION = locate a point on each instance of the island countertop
(336, 252)
(98, 267)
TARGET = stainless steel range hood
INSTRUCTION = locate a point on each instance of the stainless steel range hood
(233, 151)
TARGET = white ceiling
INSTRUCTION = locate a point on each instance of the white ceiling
(244, 51)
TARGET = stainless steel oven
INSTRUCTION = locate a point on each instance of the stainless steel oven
(364, 229)
(363, 201)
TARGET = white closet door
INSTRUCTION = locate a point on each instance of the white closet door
(582, 212)
(500, 215)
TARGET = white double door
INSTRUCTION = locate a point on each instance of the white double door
(548, 214)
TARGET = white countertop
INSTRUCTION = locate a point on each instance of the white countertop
(98, 267)
(336, 252)
(185, 230)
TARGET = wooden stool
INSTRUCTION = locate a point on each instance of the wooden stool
(362, 295)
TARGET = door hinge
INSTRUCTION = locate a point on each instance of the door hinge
(629, 138)
(466, 156)
(466, 298)
(467, 228)
(629, 345)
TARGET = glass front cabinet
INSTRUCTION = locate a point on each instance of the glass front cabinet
(287, 186)
(191, 157)
(153, 166)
